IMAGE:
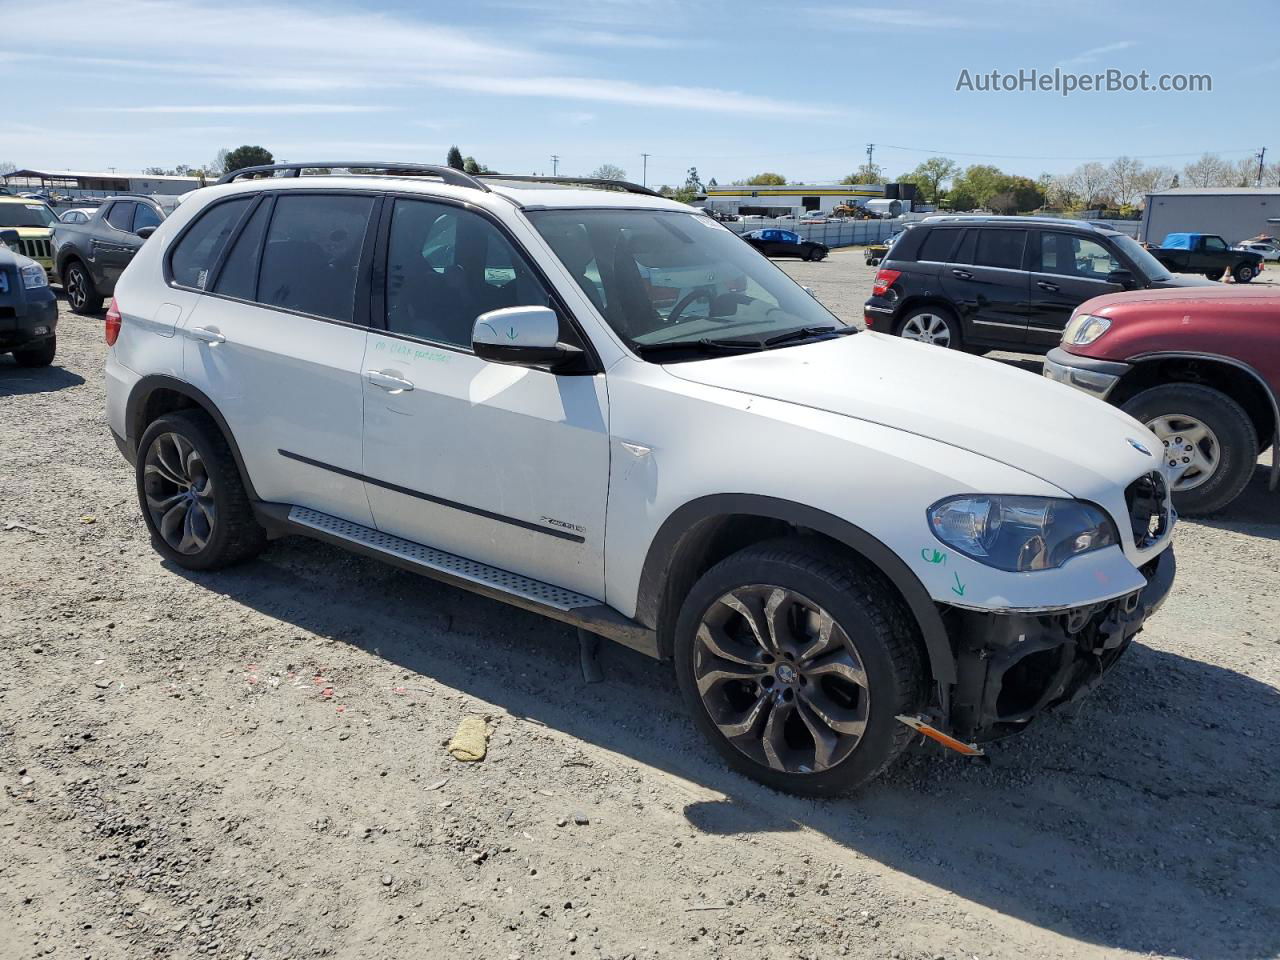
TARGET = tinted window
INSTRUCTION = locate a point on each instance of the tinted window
(120, 216)
(788, 237)
(965, 253)
(312, 254)
(239, 275)
(446, 266)
(145, 217)
(198, 249)
(1000, 248)
(1069, 255)
(938, 245)
(1214, 243)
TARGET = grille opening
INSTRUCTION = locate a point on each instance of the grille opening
(1148, 517)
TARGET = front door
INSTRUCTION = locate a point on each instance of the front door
(988, 284)
(275, 342)
(1066, 270)
(505, 465)
(115, 243)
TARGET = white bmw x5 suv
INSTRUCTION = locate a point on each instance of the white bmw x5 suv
(603, 406)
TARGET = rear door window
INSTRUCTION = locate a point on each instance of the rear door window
(937, 246)
(312, 254)
(198, 248)
(120, 216)
(1000, 248)
(145, 216)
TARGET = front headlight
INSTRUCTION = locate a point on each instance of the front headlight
(1084, 328)
(1021, 533)
(34, 277)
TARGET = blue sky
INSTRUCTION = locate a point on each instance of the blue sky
(731, 87)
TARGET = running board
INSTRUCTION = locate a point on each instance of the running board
(547, 599)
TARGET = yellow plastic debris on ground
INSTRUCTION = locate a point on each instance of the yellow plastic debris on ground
(470, 740)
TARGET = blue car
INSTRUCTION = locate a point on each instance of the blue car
(773, 242)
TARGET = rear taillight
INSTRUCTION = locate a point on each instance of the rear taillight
(885, 279)
(111, 327)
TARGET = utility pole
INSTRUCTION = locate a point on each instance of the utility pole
(644, 176)
(555, 165)
(871, 149)
(1262, 155)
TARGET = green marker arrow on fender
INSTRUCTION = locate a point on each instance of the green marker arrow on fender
(958, 589)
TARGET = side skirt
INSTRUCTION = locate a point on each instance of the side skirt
(575, 609)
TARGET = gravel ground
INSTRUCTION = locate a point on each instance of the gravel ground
(253, 763)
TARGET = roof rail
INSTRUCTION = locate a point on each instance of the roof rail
(570, 181)
(448, 174)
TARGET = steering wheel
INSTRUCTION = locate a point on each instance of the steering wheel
(701, 293)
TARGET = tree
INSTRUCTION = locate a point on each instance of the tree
(711, 184)
(1122, 179)
(1151, 179)
(246, 156)
(155, 171)
(682, 194)
(454, 158)
(930, 175)
(867, 173)
(1087, 183)
(767, 179)
(7, 167)
(1209, 171)
(693, 181)
(1270, 175)
(608, 171)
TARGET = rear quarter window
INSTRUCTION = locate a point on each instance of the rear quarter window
(198, 248)
(938, 245)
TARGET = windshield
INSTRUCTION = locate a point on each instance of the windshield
(662, 279)
(1148, 265)
(25, 215)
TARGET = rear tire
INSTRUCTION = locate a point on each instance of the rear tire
(934, 325)
(1244, 272)
(81, 293)
(40, 356)
(1214, 274)
(838, 702)
(1230, 444)
(192, 498)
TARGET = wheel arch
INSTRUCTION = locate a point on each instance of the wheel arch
(1235, 378)
(920, 301)
(702, 532)
(158, 394)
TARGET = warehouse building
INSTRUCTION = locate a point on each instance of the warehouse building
(1233, 213)
(792, 199)
(79, 183)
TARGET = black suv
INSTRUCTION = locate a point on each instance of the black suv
(1003, 283)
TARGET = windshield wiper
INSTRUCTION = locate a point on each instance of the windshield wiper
(704, 345)
(803, 333)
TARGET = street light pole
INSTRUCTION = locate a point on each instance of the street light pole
(555, 165)
(644, 176)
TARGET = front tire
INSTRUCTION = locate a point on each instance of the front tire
(933, 325)
(1208, 441)
(191, 494)
(794, 662)
(40, 356)
(1244, 272)
(81, 293)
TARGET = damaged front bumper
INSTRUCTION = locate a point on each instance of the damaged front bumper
(1011, 667)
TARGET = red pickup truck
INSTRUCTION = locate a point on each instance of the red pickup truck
(1200, 366)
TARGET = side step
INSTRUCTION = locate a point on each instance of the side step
(547, 599)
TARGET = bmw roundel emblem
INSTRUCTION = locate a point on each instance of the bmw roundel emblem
(1137, 446)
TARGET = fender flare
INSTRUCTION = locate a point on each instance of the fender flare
(136, 405)
(666, 544)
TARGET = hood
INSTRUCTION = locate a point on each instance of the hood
(1180, 280)
(1064, 437)
(32, 232)
(1209, 294)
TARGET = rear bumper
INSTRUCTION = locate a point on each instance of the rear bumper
(1094, 377)
(1011, 668)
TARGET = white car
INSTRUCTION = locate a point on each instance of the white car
(1265, 250)
(77, 215)
(844, 540)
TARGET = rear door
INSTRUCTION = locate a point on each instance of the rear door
(113, 242)
(1066, 270)
(989, 285)
(278, 338)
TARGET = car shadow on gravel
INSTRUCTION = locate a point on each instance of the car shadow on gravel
(1255, 512)
(16, 381)
(1142, 822)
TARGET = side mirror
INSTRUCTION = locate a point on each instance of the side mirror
(527, 336)
(10, 239)
(145, 232)
(1123, 277)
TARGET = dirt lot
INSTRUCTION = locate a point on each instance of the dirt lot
(252, 763)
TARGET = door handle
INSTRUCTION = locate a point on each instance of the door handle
(206, 335)
(963, 274)
(387, 381)
(1045, 285)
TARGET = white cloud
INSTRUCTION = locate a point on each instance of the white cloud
(249, 109)
(1093, 54)
(897, 17)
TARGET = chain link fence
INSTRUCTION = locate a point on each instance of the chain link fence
(834, 233)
